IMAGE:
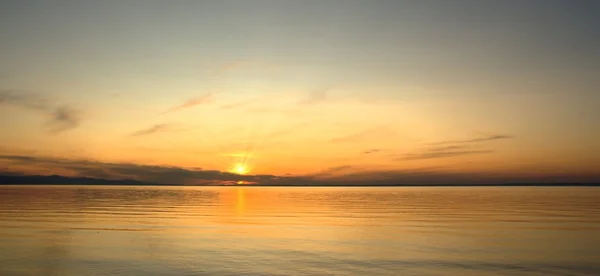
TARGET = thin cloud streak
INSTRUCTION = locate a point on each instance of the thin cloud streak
(475, 140)
(191, 103)
(440, 154)
(157, 128)
(451, 148)
(331, 171)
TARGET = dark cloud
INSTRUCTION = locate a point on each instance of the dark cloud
(371, 151)
(153, 129)
(345, 175)
(156, 174)
(191, 103)
(62, 117)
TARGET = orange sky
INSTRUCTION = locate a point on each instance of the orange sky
(340, 92)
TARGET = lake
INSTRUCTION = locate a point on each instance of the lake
(100, 230)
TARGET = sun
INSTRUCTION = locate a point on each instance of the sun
(239, 168)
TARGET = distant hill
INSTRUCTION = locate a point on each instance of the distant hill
(63, 180)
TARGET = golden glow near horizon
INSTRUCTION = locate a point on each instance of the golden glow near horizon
(239, 168)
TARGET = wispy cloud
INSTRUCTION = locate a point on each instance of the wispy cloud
(440, 154)
(62, 117)
(371, 151)
(152, 129)
(447, 148)
(329, 172)
(26, 100)
(191, 103)
(452, 148)
(475, 140)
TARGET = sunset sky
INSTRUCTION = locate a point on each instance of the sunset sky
(406, 91)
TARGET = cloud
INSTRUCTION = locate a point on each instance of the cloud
(475, 140)
(452, 148)
(336, 176)
(371, 151)
(191, 103)
(62, 117)
(331, 171)
(22, 99)
(447, 148)
(440, 154)
(152, 129)
(156, 174)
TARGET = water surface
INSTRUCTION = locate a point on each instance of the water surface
(96, 230)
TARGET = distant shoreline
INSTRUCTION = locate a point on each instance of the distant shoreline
(57, 180)
(324, 186)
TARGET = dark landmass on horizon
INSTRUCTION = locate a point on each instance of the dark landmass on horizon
(63, 180)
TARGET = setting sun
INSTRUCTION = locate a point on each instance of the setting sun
(239, 168)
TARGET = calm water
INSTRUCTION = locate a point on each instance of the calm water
(83, 230)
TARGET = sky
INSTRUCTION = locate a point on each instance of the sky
(336, 91)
